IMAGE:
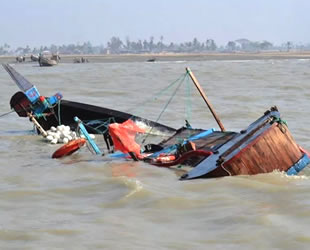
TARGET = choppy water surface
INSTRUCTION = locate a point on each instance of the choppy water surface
(91, 202)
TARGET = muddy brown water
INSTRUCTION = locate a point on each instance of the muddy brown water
(93, 202)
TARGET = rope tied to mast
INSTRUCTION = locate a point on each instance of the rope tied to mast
(180, 80)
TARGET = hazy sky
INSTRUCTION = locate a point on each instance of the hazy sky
(46, 22)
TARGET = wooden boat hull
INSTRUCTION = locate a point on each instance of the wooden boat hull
(273, 149)
(266, 145)
(96, 119)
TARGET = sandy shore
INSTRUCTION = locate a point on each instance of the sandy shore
(178, 57)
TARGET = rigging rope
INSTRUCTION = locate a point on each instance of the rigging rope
(155, 96)
(170, 99)
(166, 105)
(7, 113)
(104, 123)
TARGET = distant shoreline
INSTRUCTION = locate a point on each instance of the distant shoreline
(178, 57)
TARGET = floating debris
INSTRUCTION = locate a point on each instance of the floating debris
(62, 134)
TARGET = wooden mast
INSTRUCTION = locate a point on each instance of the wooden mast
(38, 126)
(205, 98)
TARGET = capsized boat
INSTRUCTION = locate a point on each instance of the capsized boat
(264, 146)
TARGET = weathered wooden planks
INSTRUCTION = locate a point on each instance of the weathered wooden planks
(273, 149)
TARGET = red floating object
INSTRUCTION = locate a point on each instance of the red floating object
(69, 148)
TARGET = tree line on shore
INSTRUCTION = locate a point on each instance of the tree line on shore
(116, 46)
